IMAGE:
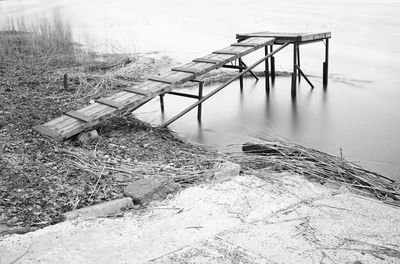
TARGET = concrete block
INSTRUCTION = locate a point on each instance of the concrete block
(102, 209)
(145, 190)
(226, 170)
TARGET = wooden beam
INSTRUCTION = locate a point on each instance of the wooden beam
(204, 60)
(184, 69)
(271, 49)
(244, 44)
(184, 95)
(80, 116)
(109, 102)
(47, 131)
(266, 62)
(234, 67)
(325, 68)
(305, 77)
(162, 80)
(228, 52)
(137, 91)
(294, 74)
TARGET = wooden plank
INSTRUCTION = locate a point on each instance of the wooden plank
(56, 121)
(137, 91)
(123, 95)
(261, 41)
(206, 60)
(80, 116)
(201, 66)
(109, 102)
(227, 52)
(239, 44)
(176, 77)
(223, 58)
(162, 80)
(44, 130)
(184, 69)
(285, 36)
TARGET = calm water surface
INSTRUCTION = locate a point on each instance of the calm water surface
(358, 112)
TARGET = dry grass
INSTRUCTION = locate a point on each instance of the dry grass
(320, 166)
(41, 37)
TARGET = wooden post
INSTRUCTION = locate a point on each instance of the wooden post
(200, 97)
(298, 62)
(66, 81)
(266, 71)
(162, 102)
(222, 86)
(294, 74)
(241, 77)
(325, 64)
(272, 65)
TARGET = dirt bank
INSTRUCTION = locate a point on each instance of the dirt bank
(41, 179)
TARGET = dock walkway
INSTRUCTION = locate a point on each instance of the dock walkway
(131, 98)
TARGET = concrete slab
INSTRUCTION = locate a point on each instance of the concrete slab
(265, 219)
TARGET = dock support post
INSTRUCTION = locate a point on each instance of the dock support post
(241, 77)
(294, 74)
(231, 80)
(298, 62)
(272, 65)
(266, 71)
(162, 102)
(201, 83)
(325, 64)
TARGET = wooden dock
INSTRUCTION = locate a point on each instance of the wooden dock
(129, 99)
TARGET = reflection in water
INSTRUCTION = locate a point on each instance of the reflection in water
(294, 115)
(311, 118)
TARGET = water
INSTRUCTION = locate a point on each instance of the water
(359, 112)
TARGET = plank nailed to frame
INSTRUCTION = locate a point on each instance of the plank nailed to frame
(109, 102)
(204, 60)
(244, 44)
(80, 116)
(163, 80)
(47, 131)
(183, 69)
(232, 52)
(137, 91)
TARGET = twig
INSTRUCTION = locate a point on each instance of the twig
(97, 182)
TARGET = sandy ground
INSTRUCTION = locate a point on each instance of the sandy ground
(278, 219)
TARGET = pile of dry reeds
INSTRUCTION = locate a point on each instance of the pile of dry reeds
(291, 157)
(103, 74)
(129, 170)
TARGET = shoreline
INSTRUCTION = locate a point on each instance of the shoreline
(41, 179)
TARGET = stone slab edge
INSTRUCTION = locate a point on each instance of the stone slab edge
(102, 209)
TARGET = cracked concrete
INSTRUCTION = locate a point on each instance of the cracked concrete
(278, 218)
